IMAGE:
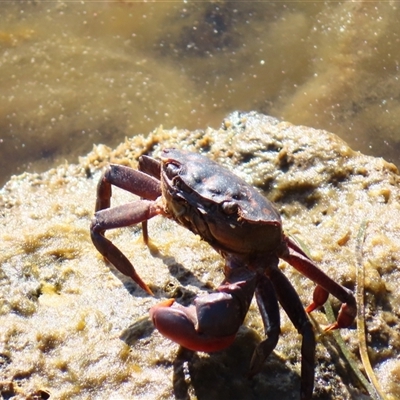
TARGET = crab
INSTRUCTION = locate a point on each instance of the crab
(245, 229)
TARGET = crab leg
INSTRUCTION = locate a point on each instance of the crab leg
(107, 218)
(293, 307)
(212, 322)
(150, 166)
(269, 309)
(117, 217)
(325, 285)
(125, 178)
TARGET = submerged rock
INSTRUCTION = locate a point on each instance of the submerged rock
(71, 326)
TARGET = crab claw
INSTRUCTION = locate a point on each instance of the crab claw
(346, 314)
(180, 324)
(344, 320)
(211, 323)
(320, 296)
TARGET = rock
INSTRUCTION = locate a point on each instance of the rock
(71, 326)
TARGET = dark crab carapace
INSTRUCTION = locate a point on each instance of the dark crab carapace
(241, 225)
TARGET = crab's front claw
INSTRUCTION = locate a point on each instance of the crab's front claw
(212, 322)
(194, 327)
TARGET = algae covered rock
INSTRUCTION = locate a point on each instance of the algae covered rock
(71, 326)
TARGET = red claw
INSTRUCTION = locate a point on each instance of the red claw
(345, 318)
(320, 296)
(179, 323)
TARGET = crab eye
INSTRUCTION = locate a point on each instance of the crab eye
(172, 170)
(229, 207)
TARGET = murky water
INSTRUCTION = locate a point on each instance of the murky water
(74, 74)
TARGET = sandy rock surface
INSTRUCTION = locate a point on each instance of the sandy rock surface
(71, 326)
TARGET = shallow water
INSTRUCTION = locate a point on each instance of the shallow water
(76, 74)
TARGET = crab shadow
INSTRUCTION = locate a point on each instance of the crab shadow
(223, 375)
(144, 327)
(182, 274)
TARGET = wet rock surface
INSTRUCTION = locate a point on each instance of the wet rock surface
(71, 326)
